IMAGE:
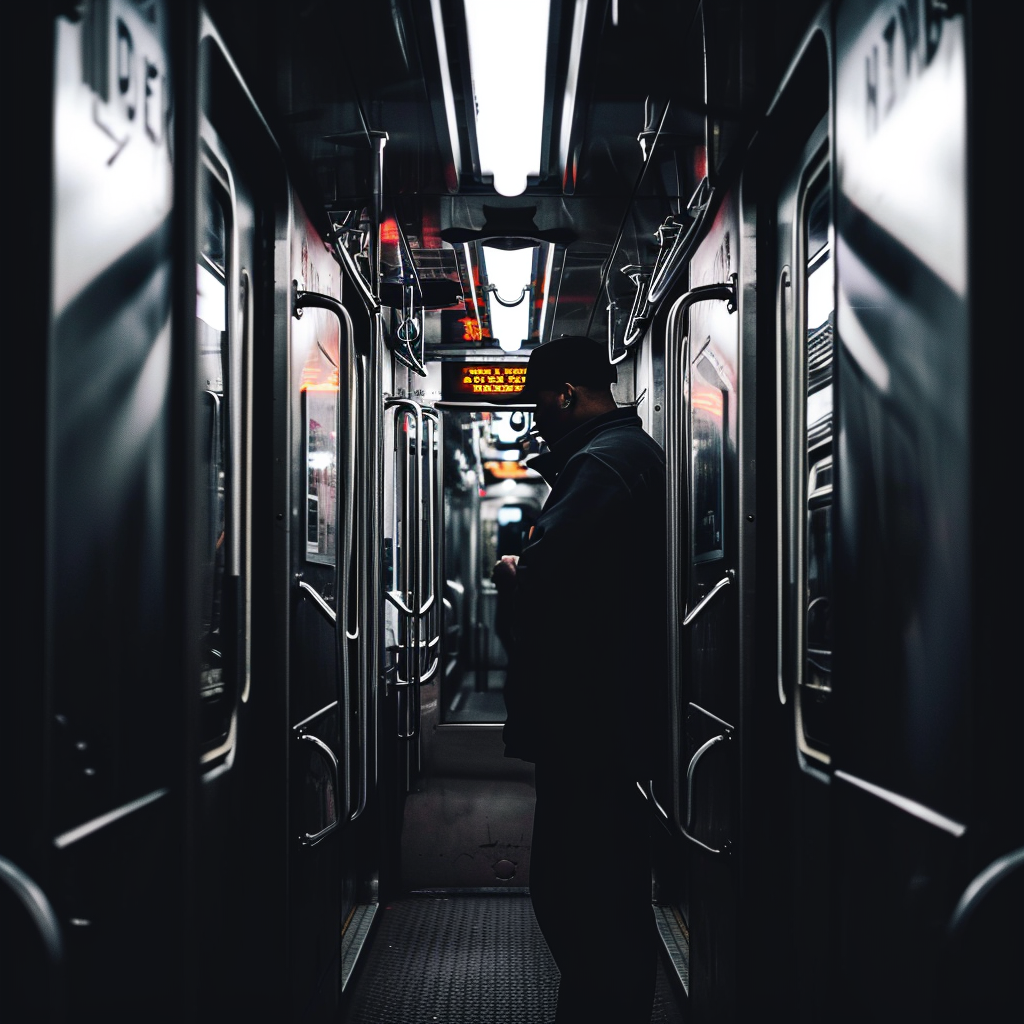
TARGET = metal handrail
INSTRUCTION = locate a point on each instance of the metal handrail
(343, 523)
(322, 606)
(676, 438)
(690, 770)
(979, 888)
(309, 839)
(683, 244)
(368, 559)
(436, 508)
(412, 570)
(38, 908)
(637, 321)
(706, 599)
(437, 539)
(362, 632)
(245, 556)
(49, 998)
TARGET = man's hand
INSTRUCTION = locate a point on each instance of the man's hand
(503, 575)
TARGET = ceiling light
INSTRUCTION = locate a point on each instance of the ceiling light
(510, 276)
(507, 49)
(446, 84)
(571, 81)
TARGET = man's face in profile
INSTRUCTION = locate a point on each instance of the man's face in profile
(549, 416)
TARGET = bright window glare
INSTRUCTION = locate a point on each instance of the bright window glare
(510, 270)
(820, 297)
(210, 299)
(507, 46)
(509, 514)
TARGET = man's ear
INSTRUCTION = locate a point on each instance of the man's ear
(567, 396)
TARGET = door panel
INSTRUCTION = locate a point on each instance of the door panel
(321, 443)
(114, 578)
(908, 595)
(707, 780)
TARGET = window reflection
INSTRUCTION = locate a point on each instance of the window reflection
(212, 359)
(707, 424)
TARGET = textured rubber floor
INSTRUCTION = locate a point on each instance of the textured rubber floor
(464, 959)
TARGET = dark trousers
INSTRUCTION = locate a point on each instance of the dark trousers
(590, 882)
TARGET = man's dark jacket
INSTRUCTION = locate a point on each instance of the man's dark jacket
(587, 669)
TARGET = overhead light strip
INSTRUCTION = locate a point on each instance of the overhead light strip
(572, 76)
(507, 48)
(446, 85)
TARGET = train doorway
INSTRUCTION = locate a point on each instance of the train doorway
(469, 813)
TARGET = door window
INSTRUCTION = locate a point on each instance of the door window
(817, 295)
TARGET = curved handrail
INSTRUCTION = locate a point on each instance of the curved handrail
(690, 770)
(676, 446)
(493, 289)
(311, 839)
(343, 523)
(49, 1003)
(981, 885)
(39, 909)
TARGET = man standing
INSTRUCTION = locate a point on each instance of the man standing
(586, 680)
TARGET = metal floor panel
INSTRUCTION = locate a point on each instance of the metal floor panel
(464, 959)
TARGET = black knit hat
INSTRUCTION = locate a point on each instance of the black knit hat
(570, 359)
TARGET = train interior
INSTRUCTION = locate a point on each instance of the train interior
(288, 263)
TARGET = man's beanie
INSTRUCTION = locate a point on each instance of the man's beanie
(570, 359)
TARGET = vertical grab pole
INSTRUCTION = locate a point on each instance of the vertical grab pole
(361, 633)
(374, 533)
(435, 498)
(410, 601)
(378, 140)
(412, 705)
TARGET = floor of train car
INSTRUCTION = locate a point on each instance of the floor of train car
(465, 958)
(478, 697)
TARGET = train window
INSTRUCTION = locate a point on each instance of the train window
(707, 425)
(818, 317)
(213, 361)
(491, 501)
(321, 410)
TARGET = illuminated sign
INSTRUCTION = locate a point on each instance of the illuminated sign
(484, 379)
(507, 470)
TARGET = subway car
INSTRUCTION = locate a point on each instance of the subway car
(283, 268)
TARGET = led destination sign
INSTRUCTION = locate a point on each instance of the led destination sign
(484, 379)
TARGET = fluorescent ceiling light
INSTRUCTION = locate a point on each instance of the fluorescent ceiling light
(446, 84)
(508, 44)
(510, 271)
(572, 76)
